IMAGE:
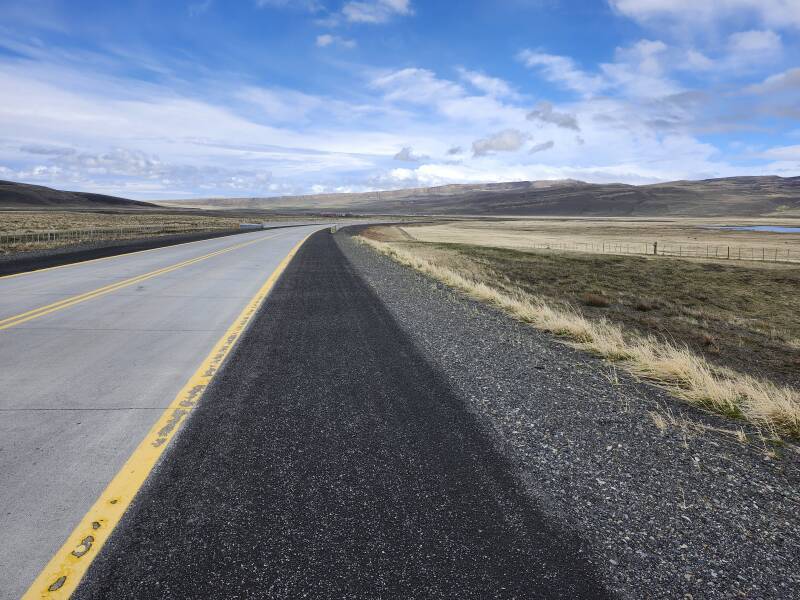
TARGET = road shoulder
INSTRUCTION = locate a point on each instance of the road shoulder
(667, 512)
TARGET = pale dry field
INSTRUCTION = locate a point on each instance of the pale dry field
(96, 226)
(522, 234)
(32, 221)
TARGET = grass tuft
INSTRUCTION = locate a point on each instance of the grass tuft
(598, 300)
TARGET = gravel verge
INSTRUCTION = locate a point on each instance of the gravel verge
(667, 513)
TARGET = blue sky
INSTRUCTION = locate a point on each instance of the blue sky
(185, 98)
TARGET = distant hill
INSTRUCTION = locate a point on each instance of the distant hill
(733, 196)
(24, 196)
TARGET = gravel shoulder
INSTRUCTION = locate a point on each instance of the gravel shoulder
(328, 460)
(668, 511)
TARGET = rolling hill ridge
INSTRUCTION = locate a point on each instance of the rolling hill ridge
(733, 196)
(24, 196)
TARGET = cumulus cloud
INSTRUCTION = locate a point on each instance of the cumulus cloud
(198, 8)
(407, 155)
(455, 150)
(508, 140)
(783, 153)
(638, 70)
(788, 80)
(751, 47)
(375, 11)
(123, 165)
(564, 71)
(542, 147)
(326, 39)
(694, 60)
(304, 5)
(280, 105)
(545, 113)
(418, 86)
(488, 85)
(695, 13)
(47, 150)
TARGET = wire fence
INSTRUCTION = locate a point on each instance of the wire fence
(709, 251)
(13, 239)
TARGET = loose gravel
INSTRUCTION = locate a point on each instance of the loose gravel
(669, 512)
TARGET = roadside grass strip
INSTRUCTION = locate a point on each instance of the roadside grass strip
(59, 579)
(770, 407)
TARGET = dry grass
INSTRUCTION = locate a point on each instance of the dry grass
(103, 224)
(597, 300)
(522, 234)
(768, 406)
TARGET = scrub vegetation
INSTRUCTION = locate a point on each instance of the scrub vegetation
(720, 336)
(105, 226)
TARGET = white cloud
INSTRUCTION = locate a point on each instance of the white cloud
(564, 71)
(199, 8)
(304, 5)
(375, 11)
(407, 155)
(791, 153)
(545, 113)
(419, 86)
(639, 70)
(753, 47)
(701, 13)
(68, 126)
(489, 85)
(326, 39)
(280, 105)
(46, 150)
(788, 80)
(542, 147)
(697, 61)
(508, 140)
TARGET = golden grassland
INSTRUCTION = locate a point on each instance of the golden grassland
(31, 221)
(103, 224)
(722, 337)
(522, 234)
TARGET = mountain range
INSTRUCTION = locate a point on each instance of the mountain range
(759, 196)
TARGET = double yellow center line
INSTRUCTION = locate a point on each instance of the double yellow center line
(73, 300)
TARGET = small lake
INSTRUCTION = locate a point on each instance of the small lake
(770, 228)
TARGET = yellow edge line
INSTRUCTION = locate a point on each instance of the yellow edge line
(71, 301)
(59, 579)
(123, 255)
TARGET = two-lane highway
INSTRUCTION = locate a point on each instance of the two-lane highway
(92, 355)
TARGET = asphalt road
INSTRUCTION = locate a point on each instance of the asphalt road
(55, 257)
(329, 460)
(82, 381)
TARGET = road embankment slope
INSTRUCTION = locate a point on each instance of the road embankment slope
(669, 499)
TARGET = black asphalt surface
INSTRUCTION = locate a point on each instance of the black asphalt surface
(329, 460)
(56, 257)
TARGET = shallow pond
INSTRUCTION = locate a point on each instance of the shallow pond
(770, 228)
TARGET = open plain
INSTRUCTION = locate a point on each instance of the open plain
(637, 233)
